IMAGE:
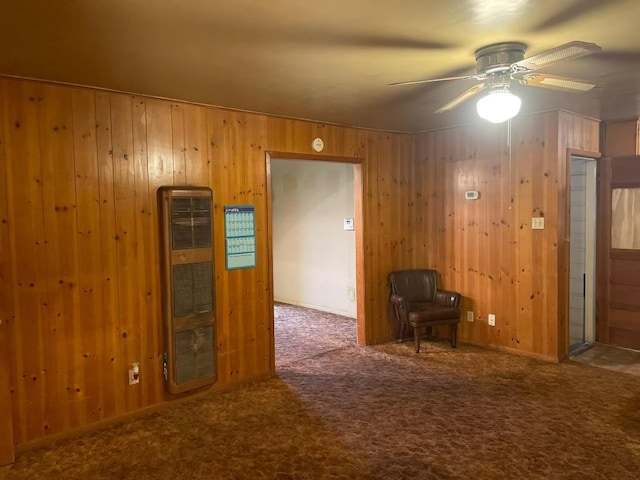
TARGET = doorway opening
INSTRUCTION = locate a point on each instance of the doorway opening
(315, 232)
(582, 254)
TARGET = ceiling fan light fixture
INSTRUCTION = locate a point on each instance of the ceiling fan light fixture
(499, 105)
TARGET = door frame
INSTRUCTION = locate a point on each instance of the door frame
(564, 237)
(358, 192)
(589, 312)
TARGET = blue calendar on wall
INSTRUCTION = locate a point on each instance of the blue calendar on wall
(240, 236)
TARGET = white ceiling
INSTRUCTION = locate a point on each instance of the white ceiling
(328, 61)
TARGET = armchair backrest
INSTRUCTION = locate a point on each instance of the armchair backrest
(415, 285)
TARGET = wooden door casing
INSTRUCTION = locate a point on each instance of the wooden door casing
(618, 270)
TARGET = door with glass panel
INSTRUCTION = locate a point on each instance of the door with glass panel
(618, 287)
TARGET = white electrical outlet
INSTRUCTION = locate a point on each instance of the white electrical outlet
(537, 223)
(352, 293)
(134, 374)
(469, 316)
(492, 320)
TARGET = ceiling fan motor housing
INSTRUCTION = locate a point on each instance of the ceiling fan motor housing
(498, 57)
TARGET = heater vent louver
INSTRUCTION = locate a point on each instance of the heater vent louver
(189, 290)
(192, 288)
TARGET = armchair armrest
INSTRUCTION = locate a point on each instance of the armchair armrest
(399, 301)
(448, 298)
(400, 306)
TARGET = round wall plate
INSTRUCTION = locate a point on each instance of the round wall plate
(317, 144)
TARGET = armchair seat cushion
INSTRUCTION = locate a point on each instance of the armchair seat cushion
(421, 314)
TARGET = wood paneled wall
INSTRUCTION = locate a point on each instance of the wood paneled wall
(622, 138)
(486, 248)
(7, 450)
(79, 260)
(79, 255)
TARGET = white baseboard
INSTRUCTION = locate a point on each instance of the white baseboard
(315, 307)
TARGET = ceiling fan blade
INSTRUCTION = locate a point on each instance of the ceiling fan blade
(565, 52)
(322, 37)
(555, 82)
(431, 80)
(463, 97)
(572, 13)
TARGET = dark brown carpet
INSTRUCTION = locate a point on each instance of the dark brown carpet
(339, 411)
(302, 333)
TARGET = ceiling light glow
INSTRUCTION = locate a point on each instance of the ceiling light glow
(499, 105)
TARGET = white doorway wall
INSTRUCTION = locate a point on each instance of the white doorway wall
(314, 262)
(582, 254)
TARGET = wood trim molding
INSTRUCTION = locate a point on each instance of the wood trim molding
(583, 153)
(272, 352)
(311, 156)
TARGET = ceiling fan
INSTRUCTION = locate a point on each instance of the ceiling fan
(501, 63)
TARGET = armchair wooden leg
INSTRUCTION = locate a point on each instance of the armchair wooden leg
(454, 335)
(401, 329)
(416, 338)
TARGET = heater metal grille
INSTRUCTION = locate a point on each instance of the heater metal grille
(194, 354)
(190, 222)
(192, 288)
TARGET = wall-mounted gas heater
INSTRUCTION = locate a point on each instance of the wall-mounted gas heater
(186, 231)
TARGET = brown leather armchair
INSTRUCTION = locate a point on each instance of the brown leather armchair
(418, 302)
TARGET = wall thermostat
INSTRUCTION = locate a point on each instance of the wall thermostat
(471, 195)
(317, 144)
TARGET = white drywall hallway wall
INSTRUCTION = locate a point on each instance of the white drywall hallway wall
(313, 256)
